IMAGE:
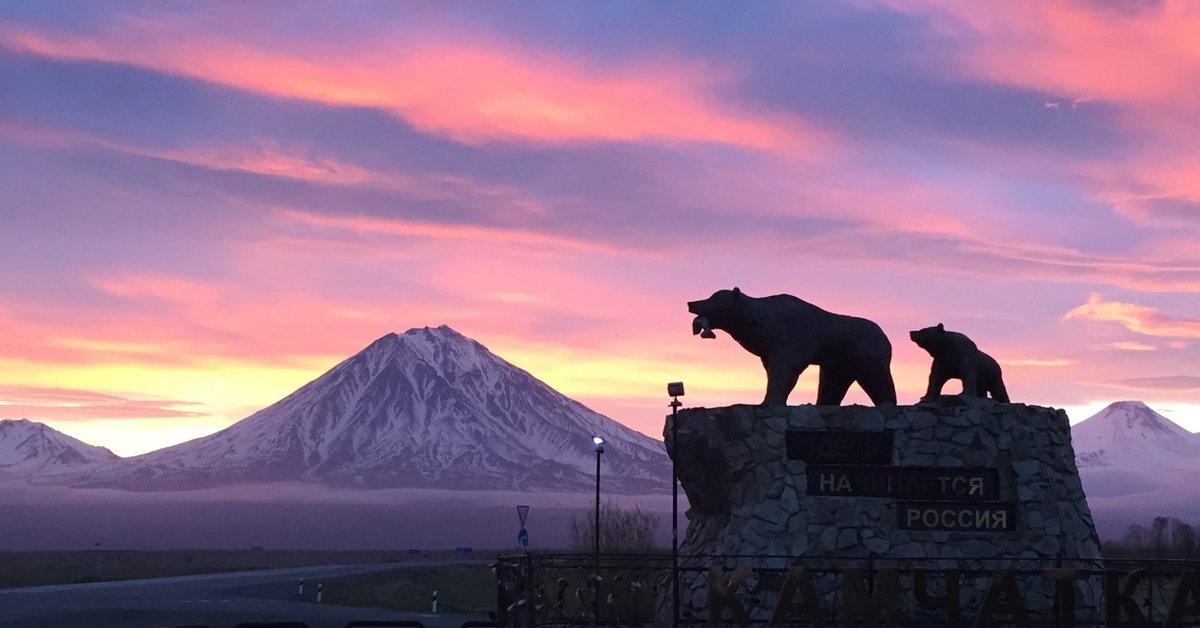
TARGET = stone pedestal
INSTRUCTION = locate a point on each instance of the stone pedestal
(956, 484)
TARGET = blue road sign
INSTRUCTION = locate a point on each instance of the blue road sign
(523, 538)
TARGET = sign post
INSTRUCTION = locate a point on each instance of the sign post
(523, 536)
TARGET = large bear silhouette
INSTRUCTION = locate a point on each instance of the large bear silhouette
(956, 356)
(789, 334)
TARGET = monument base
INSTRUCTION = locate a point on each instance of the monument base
(983, 493)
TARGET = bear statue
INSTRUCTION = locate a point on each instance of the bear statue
(789, 334)
(956, 357)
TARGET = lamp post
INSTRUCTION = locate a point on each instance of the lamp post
(599, 445)
(675, 391)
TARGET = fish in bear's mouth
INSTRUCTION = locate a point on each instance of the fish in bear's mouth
(700, 326)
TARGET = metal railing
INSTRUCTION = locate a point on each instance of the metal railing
(536, 589)
(361, 623)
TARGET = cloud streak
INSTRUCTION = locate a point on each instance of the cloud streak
(1140, 319)
(1039, 362)
(1127, 345)
(466, 91)
(66, 404)
(1085, 50)
(1004, 261)
(1175, 383)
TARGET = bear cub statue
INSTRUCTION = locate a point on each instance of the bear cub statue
(956, 357)
(789, 335)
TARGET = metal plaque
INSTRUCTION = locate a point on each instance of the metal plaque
(839, 447)
(904, 482)
(955, 516)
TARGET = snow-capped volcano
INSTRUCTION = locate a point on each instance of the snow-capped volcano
(429, 408)
(1135, 465)
(28, 448)
(1129, 434)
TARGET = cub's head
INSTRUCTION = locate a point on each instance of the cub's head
(715, 311)
(930, 337)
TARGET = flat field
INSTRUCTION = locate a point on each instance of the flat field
(20, 569)
(465, 589)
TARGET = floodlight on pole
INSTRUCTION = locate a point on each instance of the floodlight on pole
(598, 443)
(675, 391)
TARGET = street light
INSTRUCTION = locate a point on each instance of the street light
(675, 391)
(598, 443)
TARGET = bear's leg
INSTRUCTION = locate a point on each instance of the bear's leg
(781, 379)
(833, 384)
(990, 379)
(999, 392)
(969, 368)
(981, 385)
(938, 376)
(879, 386)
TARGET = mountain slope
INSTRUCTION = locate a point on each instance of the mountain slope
(28, 448)
(1128, 434)
(429, 408)
(1135, 465)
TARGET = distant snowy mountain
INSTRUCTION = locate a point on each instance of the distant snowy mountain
(1131, 435)
(1136, 464)
(28, 448)
(429, 408)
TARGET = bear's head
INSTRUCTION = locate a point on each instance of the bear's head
(930, 337)
(715, 312)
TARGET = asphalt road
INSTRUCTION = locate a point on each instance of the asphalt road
(214, 600)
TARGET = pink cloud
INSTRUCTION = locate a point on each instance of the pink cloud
(1149, 54)
(401, 227)
(158, 286)
(165, 321)
(1157, 185)
(1139, 59)
(1042, 362)
(1128, 345)
(74, 404)
(1168, 383)
(1136, 318)
(467, 91)
(1014, 260)
(303, 163)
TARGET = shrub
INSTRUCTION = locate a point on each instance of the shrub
(622, 531)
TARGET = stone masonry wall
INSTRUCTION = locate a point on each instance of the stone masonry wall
(748, 497)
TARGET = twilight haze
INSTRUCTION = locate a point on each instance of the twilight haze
(206, 206)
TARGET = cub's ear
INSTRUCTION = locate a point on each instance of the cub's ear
(737, 292)
(941, 327)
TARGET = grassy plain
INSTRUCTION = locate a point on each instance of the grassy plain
(468, 589)
(19, 569)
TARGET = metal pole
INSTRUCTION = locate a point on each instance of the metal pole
(596, 612)
(675, 511)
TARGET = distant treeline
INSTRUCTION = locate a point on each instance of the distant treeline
(1166, 537)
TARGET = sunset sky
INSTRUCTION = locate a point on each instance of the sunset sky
(204, 206)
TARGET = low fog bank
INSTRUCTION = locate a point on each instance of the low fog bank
(1121, 497)
(1113, 515)
(295, 516)
(305, 516)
